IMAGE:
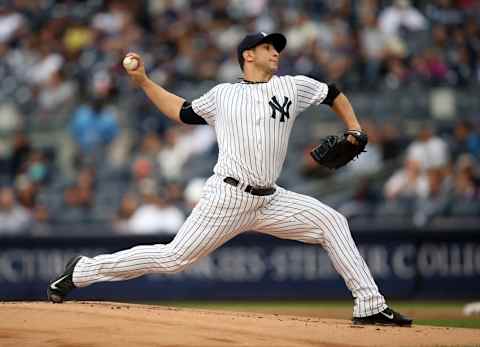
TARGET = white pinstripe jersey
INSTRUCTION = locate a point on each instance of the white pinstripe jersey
(253, 123)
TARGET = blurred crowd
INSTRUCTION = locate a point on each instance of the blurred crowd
(79, 144)
(414, 180)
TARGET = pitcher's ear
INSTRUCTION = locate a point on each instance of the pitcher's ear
(248, 55)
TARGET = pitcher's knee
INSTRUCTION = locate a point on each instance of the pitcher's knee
(341, 218)
(337, 222)
(176, 262)
(335, 217)
(178, 265)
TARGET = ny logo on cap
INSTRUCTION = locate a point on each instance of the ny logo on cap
(283, 109)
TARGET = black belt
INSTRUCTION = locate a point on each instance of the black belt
(252, 190)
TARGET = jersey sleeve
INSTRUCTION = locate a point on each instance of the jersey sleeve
(206, 106)
(309, 92)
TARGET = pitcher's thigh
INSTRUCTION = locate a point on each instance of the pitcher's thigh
(299, 217)
(200, 235)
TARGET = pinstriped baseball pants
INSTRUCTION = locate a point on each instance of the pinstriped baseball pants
(225, 211)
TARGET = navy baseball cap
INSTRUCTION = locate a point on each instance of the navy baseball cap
(279, 41)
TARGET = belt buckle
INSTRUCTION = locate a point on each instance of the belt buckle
(231, 181)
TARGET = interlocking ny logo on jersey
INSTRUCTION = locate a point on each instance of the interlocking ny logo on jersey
(283, 109)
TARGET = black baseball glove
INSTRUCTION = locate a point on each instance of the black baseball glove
(336, 151)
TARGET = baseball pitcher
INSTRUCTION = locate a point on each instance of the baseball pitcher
(252, 119)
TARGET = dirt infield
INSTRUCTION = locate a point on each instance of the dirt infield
(90, 324)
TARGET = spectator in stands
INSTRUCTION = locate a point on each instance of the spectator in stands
(393, 140)
(229, 70)
(363, 202)
(117, 27)
(426, 154)
(154, 214)
(48, 59)
(142, 169)
(403, 26)
(401, 16)
(128, 206)
(11, 23)
(10, 120)
(406, 185)
(79, 198)
(173, 193)
(77, 206)
(334, 50)
(465, 199)
(428, 68)
(425, 181)
(373, 48)
(37, 168)
(56, 97)
(397, 74)
(95, 125)
(428, 151)
(144, 164)
(150, 146)
(472, 33)
(465, 139)
(436, 66)
(22, 148)
(14, 219)
(181, 142)
(113, 20)
(78, 36)
(444, 12)
(302, 31)
(408, 182)
(41, 221)
(466, 180)
(26, 192)
(436, 198)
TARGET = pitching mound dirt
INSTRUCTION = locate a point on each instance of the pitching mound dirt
(83, 324)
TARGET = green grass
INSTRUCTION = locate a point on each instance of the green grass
(301, 304)
(452, 323)
(473, 322)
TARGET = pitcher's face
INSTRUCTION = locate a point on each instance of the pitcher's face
(266, 57)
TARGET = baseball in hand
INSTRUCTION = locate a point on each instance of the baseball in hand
(130, 63)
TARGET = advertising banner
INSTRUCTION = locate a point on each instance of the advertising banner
(427, 265)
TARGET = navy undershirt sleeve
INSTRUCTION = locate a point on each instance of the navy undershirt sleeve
(333, 92)
(188, 115)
